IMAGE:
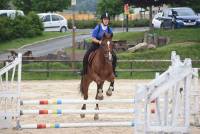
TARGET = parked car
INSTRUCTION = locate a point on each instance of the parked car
(53, 22)
(177, 17)
(11, 13)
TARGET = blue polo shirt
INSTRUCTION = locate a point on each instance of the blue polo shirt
(99, 35)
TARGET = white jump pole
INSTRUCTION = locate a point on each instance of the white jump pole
(73, 101)
(77, 125)
(59, 111)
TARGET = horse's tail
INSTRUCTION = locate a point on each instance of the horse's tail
(81, 86)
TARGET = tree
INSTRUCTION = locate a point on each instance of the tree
(150, 3)
(4, 4)
(24, 5)
(113, 7)
(50, 5)
(194, 4)
(41, 5)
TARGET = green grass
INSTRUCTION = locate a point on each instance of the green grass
(129, 36)
(17, 43)
(185, 50)
(181, 35)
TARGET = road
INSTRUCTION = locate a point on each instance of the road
(51, 46)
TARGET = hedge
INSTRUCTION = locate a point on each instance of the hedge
(81, 24)
(21, 26)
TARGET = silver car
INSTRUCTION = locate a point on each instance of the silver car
(53, 22)
(179, 17)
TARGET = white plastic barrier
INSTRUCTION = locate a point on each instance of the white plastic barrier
(10, 92)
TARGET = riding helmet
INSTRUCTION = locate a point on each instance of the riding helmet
(105, 15)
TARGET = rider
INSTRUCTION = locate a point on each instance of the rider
(97, 36)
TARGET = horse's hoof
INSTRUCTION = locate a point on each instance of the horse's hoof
(82, 115)
(100, 97)
(96, 117)
(109, 92)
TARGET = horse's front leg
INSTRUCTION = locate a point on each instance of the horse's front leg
(99, 96)
(110, 89)
(96, 116)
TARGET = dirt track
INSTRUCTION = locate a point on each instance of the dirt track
(69, 89)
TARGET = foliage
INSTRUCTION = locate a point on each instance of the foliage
(148, 3)
(21, 26)
(113, 7)
(80, 24)
(4, 4)
(194, 4)
(41, 5)
(5, 28)
(50, 5)
(24, 5)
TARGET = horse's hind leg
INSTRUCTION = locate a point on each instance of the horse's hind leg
(110, 89)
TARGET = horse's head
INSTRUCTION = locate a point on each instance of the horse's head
(107, 45)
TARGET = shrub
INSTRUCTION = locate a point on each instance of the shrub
(81, 24)
(5, 29)
(21, 26)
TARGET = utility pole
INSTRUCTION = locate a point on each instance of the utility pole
(73, 3)
(126, 12)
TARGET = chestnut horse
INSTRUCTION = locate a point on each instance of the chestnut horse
(99, 69)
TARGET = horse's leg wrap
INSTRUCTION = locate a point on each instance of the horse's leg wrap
(83, 108)
(100, 94)
(109, 91)
(96, 116)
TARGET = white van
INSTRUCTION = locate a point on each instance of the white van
(11, 13)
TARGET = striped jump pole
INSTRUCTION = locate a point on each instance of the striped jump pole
(73, 101)
(77, 125)
(59, 111)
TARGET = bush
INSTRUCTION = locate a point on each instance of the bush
(81, 24)
(21, 26)
(5, 28)
(36, 24)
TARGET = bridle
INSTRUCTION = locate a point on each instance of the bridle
(107, 54)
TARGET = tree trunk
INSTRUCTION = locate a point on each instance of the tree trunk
(150, 17)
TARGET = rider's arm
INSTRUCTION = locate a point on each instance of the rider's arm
(95, 36)
(94, 40)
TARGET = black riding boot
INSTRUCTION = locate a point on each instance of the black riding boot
(114, 63)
